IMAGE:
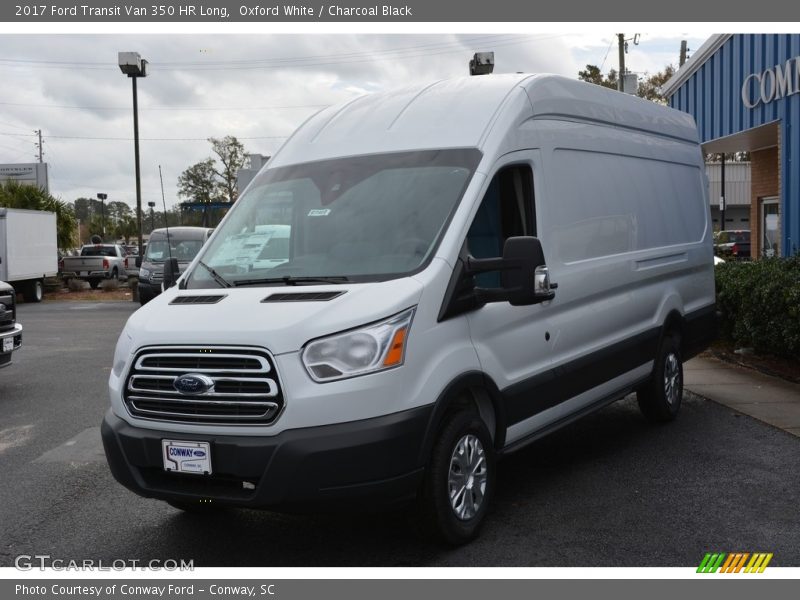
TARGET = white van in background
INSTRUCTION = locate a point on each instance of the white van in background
(468, 266)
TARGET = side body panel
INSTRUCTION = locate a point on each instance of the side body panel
(28, 247)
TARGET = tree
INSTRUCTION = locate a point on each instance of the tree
(126, 228)
(649, 85)
(232, 156)
(17, 195)
(592, 74)
(199, 182)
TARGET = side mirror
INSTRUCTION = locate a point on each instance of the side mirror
(171, 272)
(138, 261)
(523, 275)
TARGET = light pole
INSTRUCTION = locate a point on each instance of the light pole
(152, 206)
(134, 66)
(102, 198)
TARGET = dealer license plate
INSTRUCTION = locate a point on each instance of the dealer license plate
(8, 344)
(181, 456)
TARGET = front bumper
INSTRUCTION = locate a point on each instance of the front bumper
(16, 335)
(373, 463)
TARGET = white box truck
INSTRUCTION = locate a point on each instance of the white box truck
(469, 266)
(28, 250)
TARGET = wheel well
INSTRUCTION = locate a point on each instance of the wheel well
(476, 391)
(673, 326)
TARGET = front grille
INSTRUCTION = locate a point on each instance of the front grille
(7, 312)
(245, 390)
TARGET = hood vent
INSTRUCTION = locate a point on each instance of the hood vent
(302, 296)
(197, 299)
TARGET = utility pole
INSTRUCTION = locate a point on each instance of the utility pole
(683, 53)
(39, 145)
(621, 74)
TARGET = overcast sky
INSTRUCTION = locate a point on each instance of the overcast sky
(256, 87)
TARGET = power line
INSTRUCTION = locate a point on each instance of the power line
(128, 108)
(278, 63)
(606, 56)
(128, 139)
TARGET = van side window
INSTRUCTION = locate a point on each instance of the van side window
(507, 210)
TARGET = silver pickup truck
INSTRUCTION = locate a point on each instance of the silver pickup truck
(10, 330)
(96, 263)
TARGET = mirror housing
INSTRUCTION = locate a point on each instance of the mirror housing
(171, 272)
(523, 275)
(138, 261)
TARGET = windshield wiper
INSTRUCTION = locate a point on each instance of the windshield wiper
(216, 276)
(291, 280)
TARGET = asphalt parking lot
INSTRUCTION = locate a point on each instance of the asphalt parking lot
(610, 490)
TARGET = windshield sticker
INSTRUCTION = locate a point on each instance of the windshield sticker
(319, 212)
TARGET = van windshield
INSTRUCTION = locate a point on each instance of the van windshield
(159, 250)
(366, 218)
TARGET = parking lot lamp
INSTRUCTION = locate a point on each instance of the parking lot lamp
(134, 66)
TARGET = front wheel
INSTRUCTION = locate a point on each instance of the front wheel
(460, 480)
(660, 399)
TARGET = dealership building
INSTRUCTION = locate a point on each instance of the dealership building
(744, 92)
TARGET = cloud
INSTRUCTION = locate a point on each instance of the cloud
(251, 86)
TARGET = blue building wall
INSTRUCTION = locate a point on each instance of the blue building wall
(713, 95)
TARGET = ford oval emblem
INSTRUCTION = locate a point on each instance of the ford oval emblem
(193, 383)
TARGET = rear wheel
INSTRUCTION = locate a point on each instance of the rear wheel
(34, 292)
(460, 480)
(93, 283)
(660, 399)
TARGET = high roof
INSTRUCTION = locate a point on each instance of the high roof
(465, 113)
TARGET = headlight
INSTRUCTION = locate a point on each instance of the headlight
(144, 273)
(122, 351)
(360, 351)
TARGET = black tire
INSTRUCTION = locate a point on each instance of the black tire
(195, 507)
(144, 297)
(438, 515)
(93, 283)
(115, 274)
(660, 399)
(34, 291)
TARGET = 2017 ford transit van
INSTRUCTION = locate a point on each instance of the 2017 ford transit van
(461, 268)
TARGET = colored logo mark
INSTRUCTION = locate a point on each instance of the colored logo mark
(734, 562)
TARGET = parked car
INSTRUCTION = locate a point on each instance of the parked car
(96, 263)
(183, 243)
(453, 291)
(733, 243)
(10, 330)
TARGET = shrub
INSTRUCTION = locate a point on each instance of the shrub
(760, 304)
(109, 285)
(77, 285)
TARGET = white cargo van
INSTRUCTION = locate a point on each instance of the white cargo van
(470, 265)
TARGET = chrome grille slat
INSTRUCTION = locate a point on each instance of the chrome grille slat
(272, 388)
(241, 393)
(133, 398)
(198, 360)
(162, 413)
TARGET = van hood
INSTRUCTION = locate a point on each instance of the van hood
(241, 318)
